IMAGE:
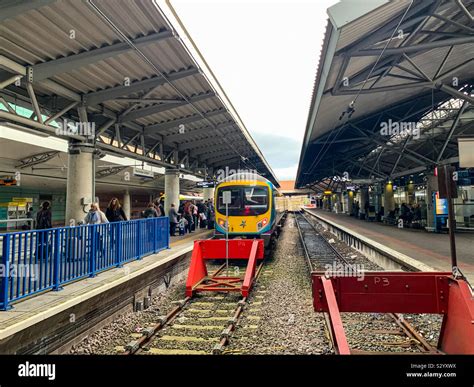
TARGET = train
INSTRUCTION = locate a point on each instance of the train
(256, 208)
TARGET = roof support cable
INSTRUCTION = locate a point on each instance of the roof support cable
(382, 52)
(160, 73)
(350, 110)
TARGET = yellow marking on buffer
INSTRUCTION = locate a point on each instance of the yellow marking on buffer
(166, 351)
(186, 339)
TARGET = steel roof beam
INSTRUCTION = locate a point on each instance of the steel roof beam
(13, 8)
(158, 128)
(140, 113)
(415, 48)
(229, 161)
(66, 64)
(100, 96)
(206, 142)
(198, 132)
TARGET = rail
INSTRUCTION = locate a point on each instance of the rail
(35, 261)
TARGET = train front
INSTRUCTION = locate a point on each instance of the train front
(250, 211)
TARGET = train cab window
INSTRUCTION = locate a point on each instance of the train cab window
(236, 200)
(255, 200)
(246, 201)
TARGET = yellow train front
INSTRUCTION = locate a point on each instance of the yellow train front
(256, 208)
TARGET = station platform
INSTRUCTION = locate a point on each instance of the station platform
(432, 249)
(42, 323)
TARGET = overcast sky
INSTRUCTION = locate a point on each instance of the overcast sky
(264, 54)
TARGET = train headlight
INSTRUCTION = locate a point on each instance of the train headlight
(262, 224)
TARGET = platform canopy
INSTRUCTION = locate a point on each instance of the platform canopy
(123, 66)
(392, 92)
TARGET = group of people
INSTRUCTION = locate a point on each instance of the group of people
(411, 214)
(113, 213)
(186, 219)
(190, 216)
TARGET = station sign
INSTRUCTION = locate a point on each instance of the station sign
(205, 184)
(140, 172)
(466, 152)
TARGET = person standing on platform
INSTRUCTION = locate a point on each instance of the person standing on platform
(151, 211)
(114, 212)
(43, 222)
(173, 216)
(211, 215)
(43, 217)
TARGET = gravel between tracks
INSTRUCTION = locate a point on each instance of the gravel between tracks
(287, 323)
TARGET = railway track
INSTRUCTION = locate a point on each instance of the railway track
(202, 324)
(319, 253)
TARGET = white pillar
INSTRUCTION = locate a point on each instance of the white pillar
(208, 193)
(171, 189)
(80, 181)
(126, 204)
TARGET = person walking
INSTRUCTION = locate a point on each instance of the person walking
(173, 216)
(95, 215)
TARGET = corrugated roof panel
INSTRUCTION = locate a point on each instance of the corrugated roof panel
(369, 22)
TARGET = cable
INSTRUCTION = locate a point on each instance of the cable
(351, 109)
(160, 73)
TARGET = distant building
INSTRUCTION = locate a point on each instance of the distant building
(287, 188)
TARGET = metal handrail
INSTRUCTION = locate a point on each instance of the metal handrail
(40, 260)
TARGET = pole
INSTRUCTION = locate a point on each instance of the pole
(227, 238)
(451, 219)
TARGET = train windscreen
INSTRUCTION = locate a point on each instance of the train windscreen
(245, 200)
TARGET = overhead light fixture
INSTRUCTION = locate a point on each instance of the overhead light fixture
(24, 129)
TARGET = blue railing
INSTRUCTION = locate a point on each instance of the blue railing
(39, 260)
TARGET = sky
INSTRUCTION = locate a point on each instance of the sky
(264, 54)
